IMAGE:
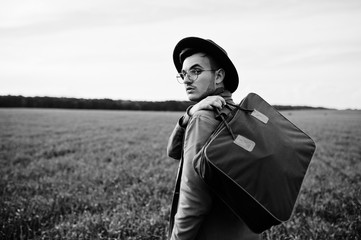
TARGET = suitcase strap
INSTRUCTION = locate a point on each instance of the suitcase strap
(225, 121)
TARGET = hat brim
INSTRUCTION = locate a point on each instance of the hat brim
(231, 80)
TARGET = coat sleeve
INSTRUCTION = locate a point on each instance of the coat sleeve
(175, 142)
(195, 199)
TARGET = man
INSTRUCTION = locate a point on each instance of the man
(209, 78)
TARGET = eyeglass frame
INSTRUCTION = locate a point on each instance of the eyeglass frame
(185, 73)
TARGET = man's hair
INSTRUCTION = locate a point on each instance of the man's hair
(191, 51)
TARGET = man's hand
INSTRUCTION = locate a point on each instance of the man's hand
(208, 103)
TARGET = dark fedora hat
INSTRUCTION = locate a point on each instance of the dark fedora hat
(211, 48)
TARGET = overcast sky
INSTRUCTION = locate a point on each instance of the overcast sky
(305, 52)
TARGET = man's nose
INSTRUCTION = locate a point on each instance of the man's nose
(186, 79)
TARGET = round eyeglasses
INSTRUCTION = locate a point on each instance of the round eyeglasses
(192, 74)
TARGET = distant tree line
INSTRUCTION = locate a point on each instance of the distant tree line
(289, 107)
(80, 103)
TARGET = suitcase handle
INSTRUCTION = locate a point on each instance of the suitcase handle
(224, 120)
(241, 108)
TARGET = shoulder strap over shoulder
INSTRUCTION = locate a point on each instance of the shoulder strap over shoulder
(228, 112)
(224, 114)
(225, 111)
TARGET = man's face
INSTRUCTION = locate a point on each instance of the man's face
(204, 85)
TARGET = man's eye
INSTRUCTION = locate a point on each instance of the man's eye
(196, 71)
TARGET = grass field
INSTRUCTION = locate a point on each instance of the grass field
(71, 174)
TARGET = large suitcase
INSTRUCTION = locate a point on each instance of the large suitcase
(255, 161)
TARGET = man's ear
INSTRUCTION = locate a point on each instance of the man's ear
(220, 75)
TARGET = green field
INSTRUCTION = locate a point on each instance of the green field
(72, 174)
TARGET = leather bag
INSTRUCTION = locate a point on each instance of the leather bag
(255, 161)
